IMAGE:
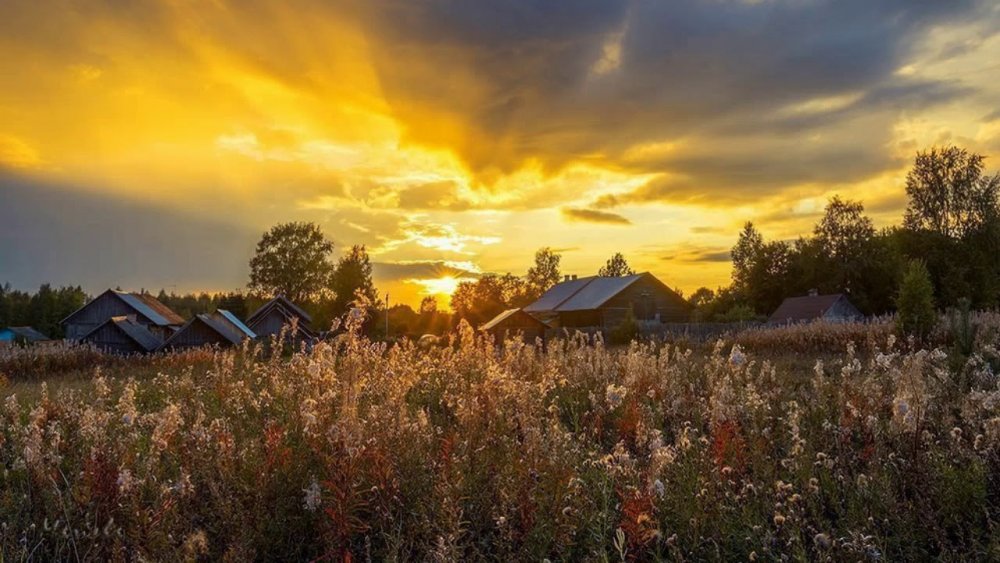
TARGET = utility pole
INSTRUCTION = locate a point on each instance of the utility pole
(387, 315)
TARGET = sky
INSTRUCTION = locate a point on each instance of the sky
(149, 143)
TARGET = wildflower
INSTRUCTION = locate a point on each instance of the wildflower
(822, 541)
(125, 481)
(659, 488)
(736, 356)
(778, 520)
(956, 434)
(615, 394)
(313, 496)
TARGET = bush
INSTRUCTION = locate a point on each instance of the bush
(627, 331)
(915, 302)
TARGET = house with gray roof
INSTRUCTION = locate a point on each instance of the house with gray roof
(123, 335)
(23, 335)
(603, 302)
(220, 328)
(834, 307)
(278, 313)
(142, 308)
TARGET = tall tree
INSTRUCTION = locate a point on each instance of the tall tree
(949, 194)
(616, 267)
(352, 280)
(545, 273)
(916, 316)
(292, 259)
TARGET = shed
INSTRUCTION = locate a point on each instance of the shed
(832, 308)
(603, 302)
(123, 335)
(141, 308)
(220, 328)
(514, 322)
(21, 335)
(276, 314)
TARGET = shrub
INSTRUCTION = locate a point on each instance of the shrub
(915, 302)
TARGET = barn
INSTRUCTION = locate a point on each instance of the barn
(604, 302)
(835, 307)
(142, 308)
(275, 314)
(220, 328)
(23, 335)
(123, 335)
(515, 322)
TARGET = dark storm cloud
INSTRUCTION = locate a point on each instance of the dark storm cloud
(594, 216)
(52, 233)
(524, 81)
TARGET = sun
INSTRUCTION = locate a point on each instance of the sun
(445, 285)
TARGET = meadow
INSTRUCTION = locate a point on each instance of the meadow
(819, 442)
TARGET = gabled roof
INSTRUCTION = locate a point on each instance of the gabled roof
(28, 333)
(804, 308)
(582, 294)
(135, 331)
(219, 324)
(506, 315)
(282, 302)
(235, 322)
(144, 304)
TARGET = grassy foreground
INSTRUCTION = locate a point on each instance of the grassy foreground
(881, 451)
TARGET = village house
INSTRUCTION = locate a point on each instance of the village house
(220, 328)
(276, 314)
(23, 335)
(123, 335)
(813, 307)
(141, 308)
(604, 302)
(515, 322)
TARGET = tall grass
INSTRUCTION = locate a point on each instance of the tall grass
(476, 452)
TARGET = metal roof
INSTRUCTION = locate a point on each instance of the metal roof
(556, 295)
(805, 308)
(282, 302)
(28, 333)
(236, 322)
(146, 305)
(581, 294)
(506, 315)
(137, 332)
(597, 292)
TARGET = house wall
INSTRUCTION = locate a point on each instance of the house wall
(198, 334)
(522, 324)
(270, 323)
(96, 312)
(110, 338)
(648, 300)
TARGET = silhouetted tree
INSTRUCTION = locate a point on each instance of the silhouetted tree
(352, 280)
(545, 273)
(292, 259)
(616, 267)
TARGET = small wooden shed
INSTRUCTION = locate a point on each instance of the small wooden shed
(835, 307)
(220, 328)
(123, 335)
(515, 322)
(277, 313)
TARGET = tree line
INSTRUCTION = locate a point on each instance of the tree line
(950, 228)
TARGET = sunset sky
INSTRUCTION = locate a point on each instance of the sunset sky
(149, 143)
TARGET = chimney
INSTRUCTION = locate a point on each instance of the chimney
(566, 278)
(813, 292)
(574, 276)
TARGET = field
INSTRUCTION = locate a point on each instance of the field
(820, 442)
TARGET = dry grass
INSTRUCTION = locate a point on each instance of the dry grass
(470, 452)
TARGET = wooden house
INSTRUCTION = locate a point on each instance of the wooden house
(220, 328)
(143, 309)
(515, 322)
(123, 335)
(23, 335)
(807, 308)
(604, 302)
(278, 313)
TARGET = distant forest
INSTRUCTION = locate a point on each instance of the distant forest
(951, 226)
